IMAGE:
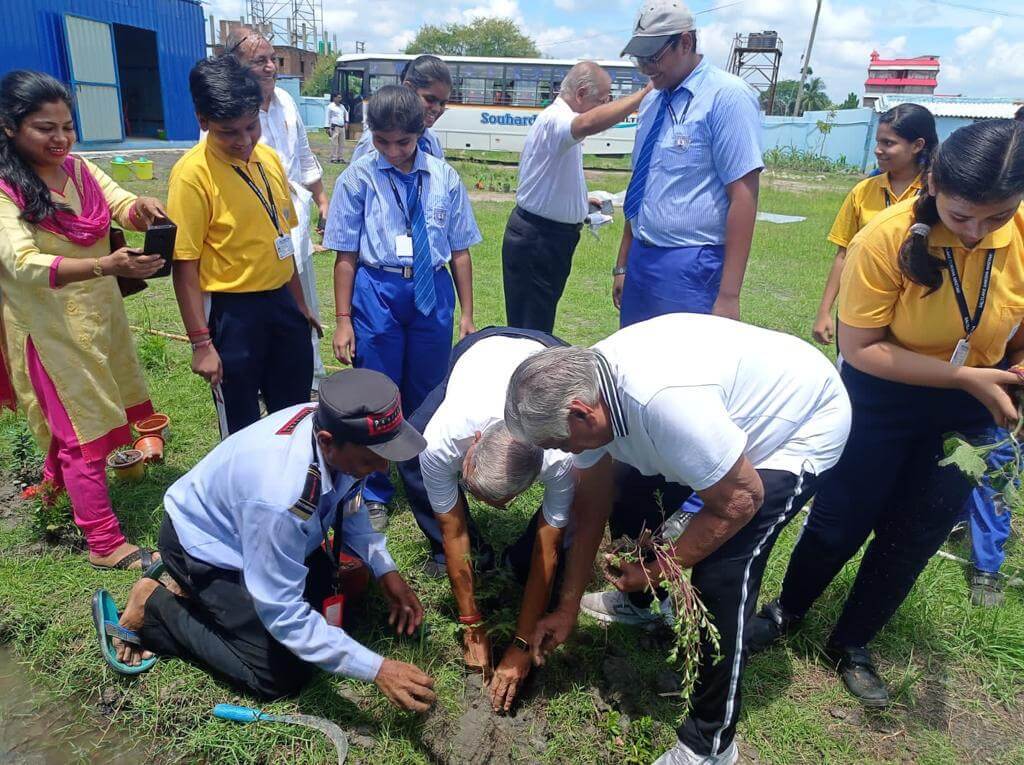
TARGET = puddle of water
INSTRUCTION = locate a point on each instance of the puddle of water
(36, 730)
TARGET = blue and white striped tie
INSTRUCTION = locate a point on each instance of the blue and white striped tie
(424, 295)
(637, 184)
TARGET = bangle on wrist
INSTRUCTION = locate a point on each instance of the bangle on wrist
(202, 344)
(97, 267)
(343, 315)
(199, 333)
(472, 620)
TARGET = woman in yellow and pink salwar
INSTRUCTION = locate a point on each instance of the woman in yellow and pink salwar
(67, 354)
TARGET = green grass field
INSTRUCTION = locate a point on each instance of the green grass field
(957, 672)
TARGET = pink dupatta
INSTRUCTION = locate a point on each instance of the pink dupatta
(84, 229)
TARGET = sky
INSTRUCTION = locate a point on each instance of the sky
(980, 42)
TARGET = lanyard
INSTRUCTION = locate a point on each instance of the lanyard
(672, 112)
(339, 518)
(401, 202)
(954, 277)
(271, 206)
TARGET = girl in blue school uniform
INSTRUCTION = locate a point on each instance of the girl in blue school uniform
(402, 225)
(431, 79)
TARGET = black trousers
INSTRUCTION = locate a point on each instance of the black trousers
(263, 342)
(888, 482)
(217, 627)
(536, 258)
(728, 580)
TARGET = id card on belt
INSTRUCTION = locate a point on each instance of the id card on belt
(284, 246)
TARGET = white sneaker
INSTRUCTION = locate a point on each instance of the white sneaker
(614, 606)
(681, 754)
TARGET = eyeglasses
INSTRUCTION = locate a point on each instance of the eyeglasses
(645, 60)
(239, 44)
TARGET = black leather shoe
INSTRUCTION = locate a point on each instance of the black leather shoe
(854, 665)
(768, 627)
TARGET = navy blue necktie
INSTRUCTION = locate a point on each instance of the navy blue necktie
(424, 144)
(638, 183)
(424, 295)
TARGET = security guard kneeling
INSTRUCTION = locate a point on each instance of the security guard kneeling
(243, 538)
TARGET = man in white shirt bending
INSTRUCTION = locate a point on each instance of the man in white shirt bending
(551, 198)
(746, 417)
(337, 120)
(284, 131)
(466, 438)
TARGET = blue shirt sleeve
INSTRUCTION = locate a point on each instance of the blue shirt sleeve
(735, 123)
(274, 572)
(345, 218)
(463, 232)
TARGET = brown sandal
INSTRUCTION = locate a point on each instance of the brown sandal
(143, 555)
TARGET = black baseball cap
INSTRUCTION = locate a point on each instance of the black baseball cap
(360, 406)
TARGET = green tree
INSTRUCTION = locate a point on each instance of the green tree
(815, 98)
(481, 37)
(852, 102)
(321, 79)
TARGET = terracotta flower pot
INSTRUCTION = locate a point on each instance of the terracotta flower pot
(151, 446)
(128, 465)
(156, 424)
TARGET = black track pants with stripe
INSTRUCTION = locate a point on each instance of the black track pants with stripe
(729, 581)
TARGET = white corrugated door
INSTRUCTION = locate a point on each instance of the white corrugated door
(94, 80)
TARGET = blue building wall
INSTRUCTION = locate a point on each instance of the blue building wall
(33, 38)
(850, 139)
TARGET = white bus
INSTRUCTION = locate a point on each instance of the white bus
(494, 100)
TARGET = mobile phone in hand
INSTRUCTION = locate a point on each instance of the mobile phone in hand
(160, 239)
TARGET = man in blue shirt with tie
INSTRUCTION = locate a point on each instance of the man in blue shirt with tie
(691, 202)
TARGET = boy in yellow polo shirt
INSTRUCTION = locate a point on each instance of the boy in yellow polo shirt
(234, 269)
(904, 143)
(930, 306)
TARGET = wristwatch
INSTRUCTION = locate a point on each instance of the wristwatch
(619, 271)
(98, 267)
(521, 644)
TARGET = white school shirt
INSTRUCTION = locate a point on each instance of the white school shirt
(689, 394)
(232, 510)
(336, 115)
(551, 182)
(475, 400)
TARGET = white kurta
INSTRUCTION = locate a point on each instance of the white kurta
(284, 131)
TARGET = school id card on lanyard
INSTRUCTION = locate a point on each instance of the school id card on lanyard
(403, 242)
(283, 243)
(680, 139)
(963, 346)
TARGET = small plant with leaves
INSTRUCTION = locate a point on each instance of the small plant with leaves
(972, 461)
(691, 623)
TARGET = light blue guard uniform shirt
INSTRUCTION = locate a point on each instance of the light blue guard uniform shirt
(232, 510)
(718, 141)
(364, 145)
(365, 217)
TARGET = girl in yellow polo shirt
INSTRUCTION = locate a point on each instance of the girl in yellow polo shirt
(932, 297)
(904, 143)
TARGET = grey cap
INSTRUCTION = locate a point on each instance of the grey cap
(360, 406)
(657, 23)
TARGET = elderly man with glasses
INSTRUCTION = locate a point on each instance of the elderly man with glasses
(284, 131)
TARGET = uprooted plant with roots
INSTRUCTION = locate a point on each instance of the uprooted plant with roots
(691, 621)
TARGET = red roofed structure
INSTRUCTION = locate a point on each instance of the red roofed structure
(900, 75)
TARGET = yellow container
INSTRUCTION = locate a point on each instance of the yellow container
(121, 171)
(143, 169)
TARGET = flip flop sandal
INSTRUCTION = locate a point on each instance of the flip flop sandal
(105, 619)
(155, 570)
(143, 555)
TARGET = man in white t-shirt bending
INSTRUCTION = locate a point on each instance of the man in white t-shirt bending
(551, 198)
(746, 417)
(466, 436)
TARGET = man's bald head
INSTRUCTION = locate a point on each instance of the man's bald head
(253, 50)
(585, 86)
